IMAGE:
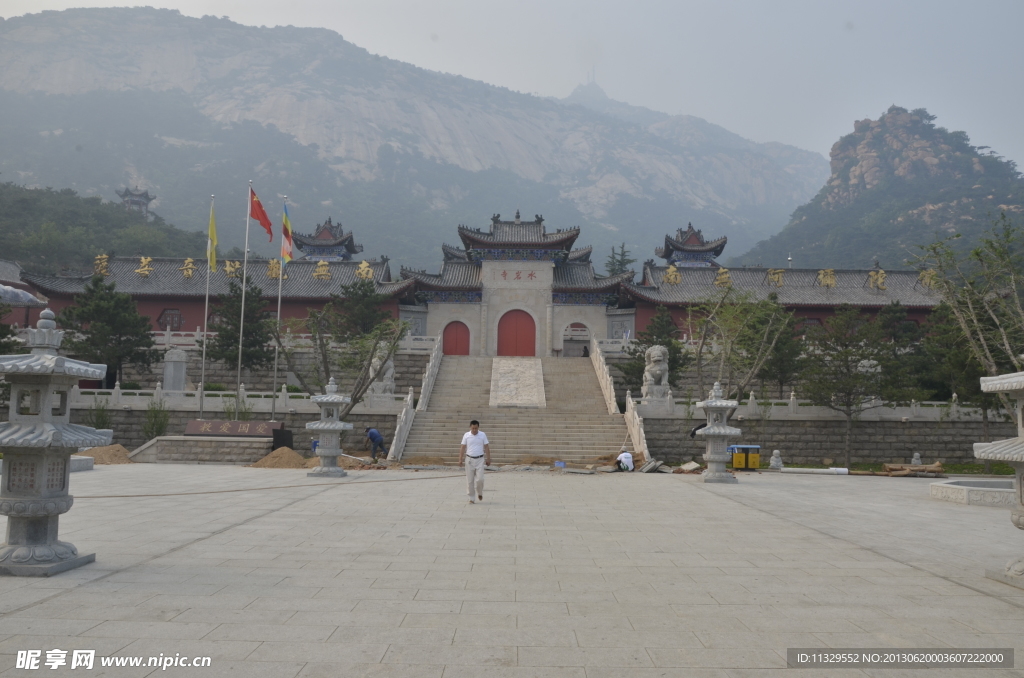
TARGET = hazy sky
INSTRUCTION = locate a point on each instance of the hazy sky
(798, 72)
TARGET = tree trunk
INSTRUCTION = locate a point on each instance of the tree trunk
(849, 433)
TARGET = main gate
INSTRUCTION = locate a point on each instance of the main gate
(517, 334)
(455, 339)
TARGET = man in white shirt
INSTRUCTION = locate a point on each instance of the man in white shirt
(475, 453)
(624, 461)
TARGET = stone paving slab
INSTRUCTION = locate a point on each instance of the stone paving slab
(394, 574)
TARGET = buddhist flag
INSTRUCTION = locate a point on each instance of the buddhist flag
(257, 212)
(286, 236)
(211, 242)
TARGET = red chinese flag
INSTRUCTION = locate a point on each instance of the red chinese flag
(257, 212)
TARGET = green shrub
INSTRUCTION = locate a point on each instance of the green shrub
(215, 387)
(131, 386)
(157, 419)
(293, 389)
(99, 416)
(236, 409)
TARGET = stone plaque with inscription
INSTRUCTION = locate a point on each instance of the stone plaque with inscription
(234, 429)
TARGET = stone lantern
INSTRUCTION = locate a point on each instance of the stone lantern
(37, 444)
(715, 433)
(329, 427)
(1010, 451)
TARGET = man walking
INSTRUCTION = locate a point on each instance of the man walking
(374, 436)
(475, 453)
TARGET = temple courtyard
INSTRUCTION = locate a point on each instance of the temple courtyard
(392, 573)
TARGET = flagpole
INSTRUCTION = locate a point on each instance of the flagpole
(280, 281)
(206, 319)
(241, 321)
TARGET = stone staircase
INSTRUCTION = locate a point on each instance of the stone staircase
(574, 427)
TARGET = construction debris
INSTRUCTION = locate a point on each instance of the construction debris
(584, 471)
(690, 467)
(651, 466)
(665, 468)
(906, 471)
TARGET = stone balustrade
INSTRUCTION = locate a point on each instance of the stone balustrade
(430, 374)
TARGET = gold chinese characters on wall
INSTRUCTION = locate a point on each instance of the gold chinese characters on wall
(364, 272)
(274, 269)
(321, 272)
(145, 267)
(672, 275)
(101, 265)
(231, 268)
(775, 276)
(723, 278)
(876, 279)
(826, 278)
(189, 268)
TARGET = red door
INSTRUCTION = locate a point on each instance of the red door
(456, 339)
(517, 334)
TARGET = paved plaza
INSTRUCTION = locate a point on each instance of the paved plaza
(624, 575)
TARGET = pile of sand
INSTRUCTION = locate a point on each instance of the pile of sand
(283, 457)
(108, 454)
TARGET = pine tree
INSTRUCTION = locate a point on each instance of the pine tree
(256, 349)
(359, 309)
(105, 327)
(785, 362)
(618, 261)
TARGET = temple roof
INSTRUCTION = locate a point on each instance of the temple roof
(167, 279)
(518, 234)
(458, 254)
(800, 287)
(328, 234)
(454, 275)
(136, 194)
(580, 277)
(690, 240)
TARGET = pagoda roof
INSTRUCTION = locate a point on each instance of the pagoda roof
(452, 253)
(168, 280)
(518, 234)
(328, 234)
(799, 287)
(141, 195)
(580, 277)
(690, 240)
(454, 275)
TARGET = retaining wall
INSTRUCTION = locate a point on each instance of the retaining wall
(128, 428)
(809, 442)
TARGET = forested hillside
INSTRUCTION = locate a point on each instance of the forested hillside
(48, 230)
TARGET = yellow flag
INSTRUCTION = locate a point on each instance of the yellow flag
(211, 243)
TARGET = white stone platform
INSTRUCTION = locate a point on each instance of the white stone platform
(517, 382)
(603, 576)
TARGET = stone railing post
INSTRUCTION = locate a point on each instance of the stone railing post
(604, 377)
(402, 427)
(430, 374)
(635, 428)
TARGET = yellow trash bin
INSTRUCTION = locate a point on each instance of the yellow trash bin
(746, 457)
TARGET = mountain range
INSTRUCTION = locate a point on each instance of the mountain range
(99, 99)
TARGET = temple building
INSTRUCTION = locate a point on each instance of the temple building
(136, 200)
(172, 291)
(689, 248)
(516, 289)
(811, 294)
(329, 242)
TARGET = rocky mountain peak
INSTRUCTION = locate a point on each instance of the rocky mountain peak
(901, 144)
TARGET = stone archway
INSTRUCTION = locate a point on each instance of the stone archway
(455, 340)
(575, 337)
(517, 335)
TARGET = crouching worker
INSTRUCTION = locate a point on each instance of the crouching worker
(374, 436)
(624, 462)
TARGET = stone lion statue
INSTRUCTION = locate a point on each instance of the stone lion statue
(384, 383)
(656, 373)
